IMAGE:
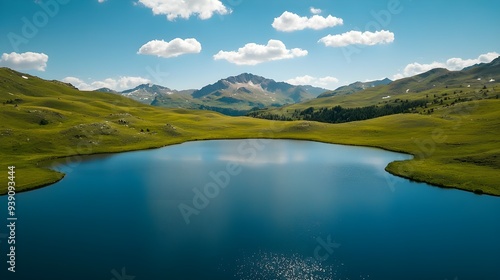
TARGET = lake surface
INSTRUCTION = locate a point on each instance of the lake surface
(251, 209)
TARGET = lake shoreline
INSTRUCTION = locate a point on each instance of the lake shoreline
(43, 164)
(251, 204)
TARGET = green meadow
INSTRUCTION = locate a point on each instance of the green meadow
(456, 146)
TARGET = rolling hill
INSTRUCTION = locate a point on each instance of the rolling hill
(436, 88)
(456, 146)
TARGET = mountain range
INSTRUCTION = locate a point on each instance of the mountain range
(434, 89)
(147, 93)
(241, 94)
(235, 95)
(355, 87)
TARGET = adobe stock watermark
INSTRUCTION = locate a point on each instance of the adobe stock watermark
(74, 157)
(249, 150)
(325, 248)
(121, 276)
(221, 179)
(158, 76)
(230, 4)
(381, 20)
(86, 145)
(31, 26)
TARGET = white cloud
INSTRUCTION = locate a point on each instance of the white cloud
(78, 83)
(328, 80)
(121, 83)
(118, 84)
(289, 22)
(315, 11)
(252, 54)
(453, 64)
(101, 1)
(459, 64)
(25, 61)
(325, 82)
(302, 80)
(358, 38)
(205, 9)
(173, 48)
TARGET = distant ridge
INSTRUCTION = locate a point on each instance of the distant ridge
(237, 95)
(105, 89)
(355, 87)
(297, 93)
(146, 93)
(423, 93)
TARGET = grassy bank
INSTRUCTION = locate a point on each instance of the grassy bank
(454, 147)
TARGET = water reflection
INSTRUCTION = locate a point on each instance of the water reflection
(123, 210)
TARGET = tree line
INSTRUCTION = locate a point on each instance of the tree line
(339, 114)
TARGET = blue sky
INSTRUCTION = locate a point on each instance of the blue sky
(181, 45)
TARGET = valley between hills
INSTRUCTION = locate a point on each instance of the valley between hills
(449, 121)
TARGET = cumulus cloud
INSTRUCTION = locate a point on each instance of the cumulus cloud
(252, 54)
(173, 9)
(77, 83)
(315, 11)
(358, 38)
(459, 64)
(173, 48)
(325, 82)
(289, 22)
(118, 84)
(101, 1)
(25, 61)
(453, 64)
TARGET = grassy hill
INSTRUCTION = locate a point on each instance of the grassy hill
(437, 88)
(456, 146)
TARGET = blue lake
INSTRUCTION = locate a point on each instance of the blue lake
(250, 209)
